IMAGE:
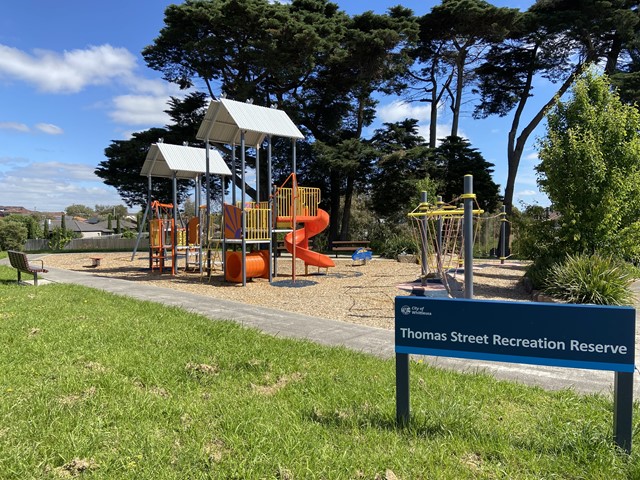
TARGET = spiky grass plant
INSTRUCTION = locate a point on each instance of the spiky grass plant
(594, 279)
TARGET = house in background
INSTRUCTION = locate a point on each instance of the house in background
(84, 229)
(5, 211)
(90, 228)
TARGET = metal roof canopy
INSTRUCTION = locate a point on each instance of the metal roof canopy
(163, 160)
(226, 119)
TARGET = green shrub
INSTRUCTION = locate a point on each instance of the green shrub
(534, 235)
(538, 271)
(592, 279)
(627, 244)
(60, 237)
(13, 235)
(396, 244)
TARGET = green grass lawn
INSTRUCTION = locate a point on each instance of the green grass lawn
(94, 385)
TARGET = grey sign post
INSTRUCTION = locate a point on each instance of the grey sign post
(561, 335)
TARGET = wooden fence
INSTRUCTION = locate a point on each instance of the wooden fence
(91, 244)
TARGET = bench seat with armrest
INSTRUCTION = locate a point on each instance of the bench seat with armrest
(20, 262)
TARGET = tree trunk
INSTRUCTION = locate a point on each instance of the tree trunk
(457, 101)
(334, 201)
(516, 145)
(433, 118)
(346, 213)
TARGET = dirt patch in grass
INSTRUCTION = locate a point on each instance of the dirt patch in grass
(75, 467)
(283, 381)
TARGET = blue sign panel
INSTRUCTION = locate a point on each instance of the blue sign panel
(564, 335)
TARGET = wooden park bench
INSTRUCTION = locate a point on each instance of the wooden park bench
(20, 262)
(348, 245)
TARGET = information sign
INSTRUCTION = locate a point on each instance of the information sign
(562, 335)
(579, 336)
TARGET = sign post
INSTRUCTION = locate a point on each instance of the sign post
(562, 335)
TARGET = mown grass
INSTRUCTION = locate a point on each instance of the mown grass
(100, 386)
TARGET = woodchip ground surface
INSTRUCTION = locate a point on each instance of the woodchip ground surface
(350, 292)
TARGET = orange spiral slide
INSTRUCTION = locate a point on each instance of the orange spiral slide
(312, 226)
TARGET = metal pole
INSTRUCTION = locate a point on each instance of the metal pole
(271, 203)
(402, 389)
(257, 174)
(274, 235)
(223, 244)
(424, 251)
(440, 225)
(294, 194)
(623, 410)
(174, 234)
(207, 179)
(503, 234)
(233, 174)
(294, 201)
(294, 160)
(196, 213)
(242, 212)
(468, 236)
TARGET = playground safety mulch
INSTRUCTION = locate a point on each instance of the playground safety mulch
(351, 292)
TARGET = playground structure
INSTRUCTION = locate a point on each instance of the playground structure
(161, 239)
(167, 241)
(250, 229)
(446, 236)
(164, 250)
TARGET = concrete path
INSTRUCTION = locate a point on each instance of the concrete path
(371, 340)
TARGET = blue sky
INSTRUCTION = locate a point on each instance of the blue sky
(72, 80)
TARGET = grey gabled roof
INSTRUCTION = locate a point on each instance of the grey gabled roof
(226, 119)
(187, 162)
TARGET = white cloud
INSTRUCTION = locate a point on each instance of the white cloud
(49, 128)
(13, 161)
(18, 127)
(157, 88)
(399, 110)
(60, 171)
(69, 72)
(72, 71)
(532, 157)
(140, 110)
(53, 186)
(527, 193)
(527, 179)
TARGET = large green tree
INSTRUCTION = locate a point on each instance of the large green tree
(307, 56)
(78, 210)
(455, 158)
(555, 40)
(590, 169)
(454, 38)
(403, 159)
